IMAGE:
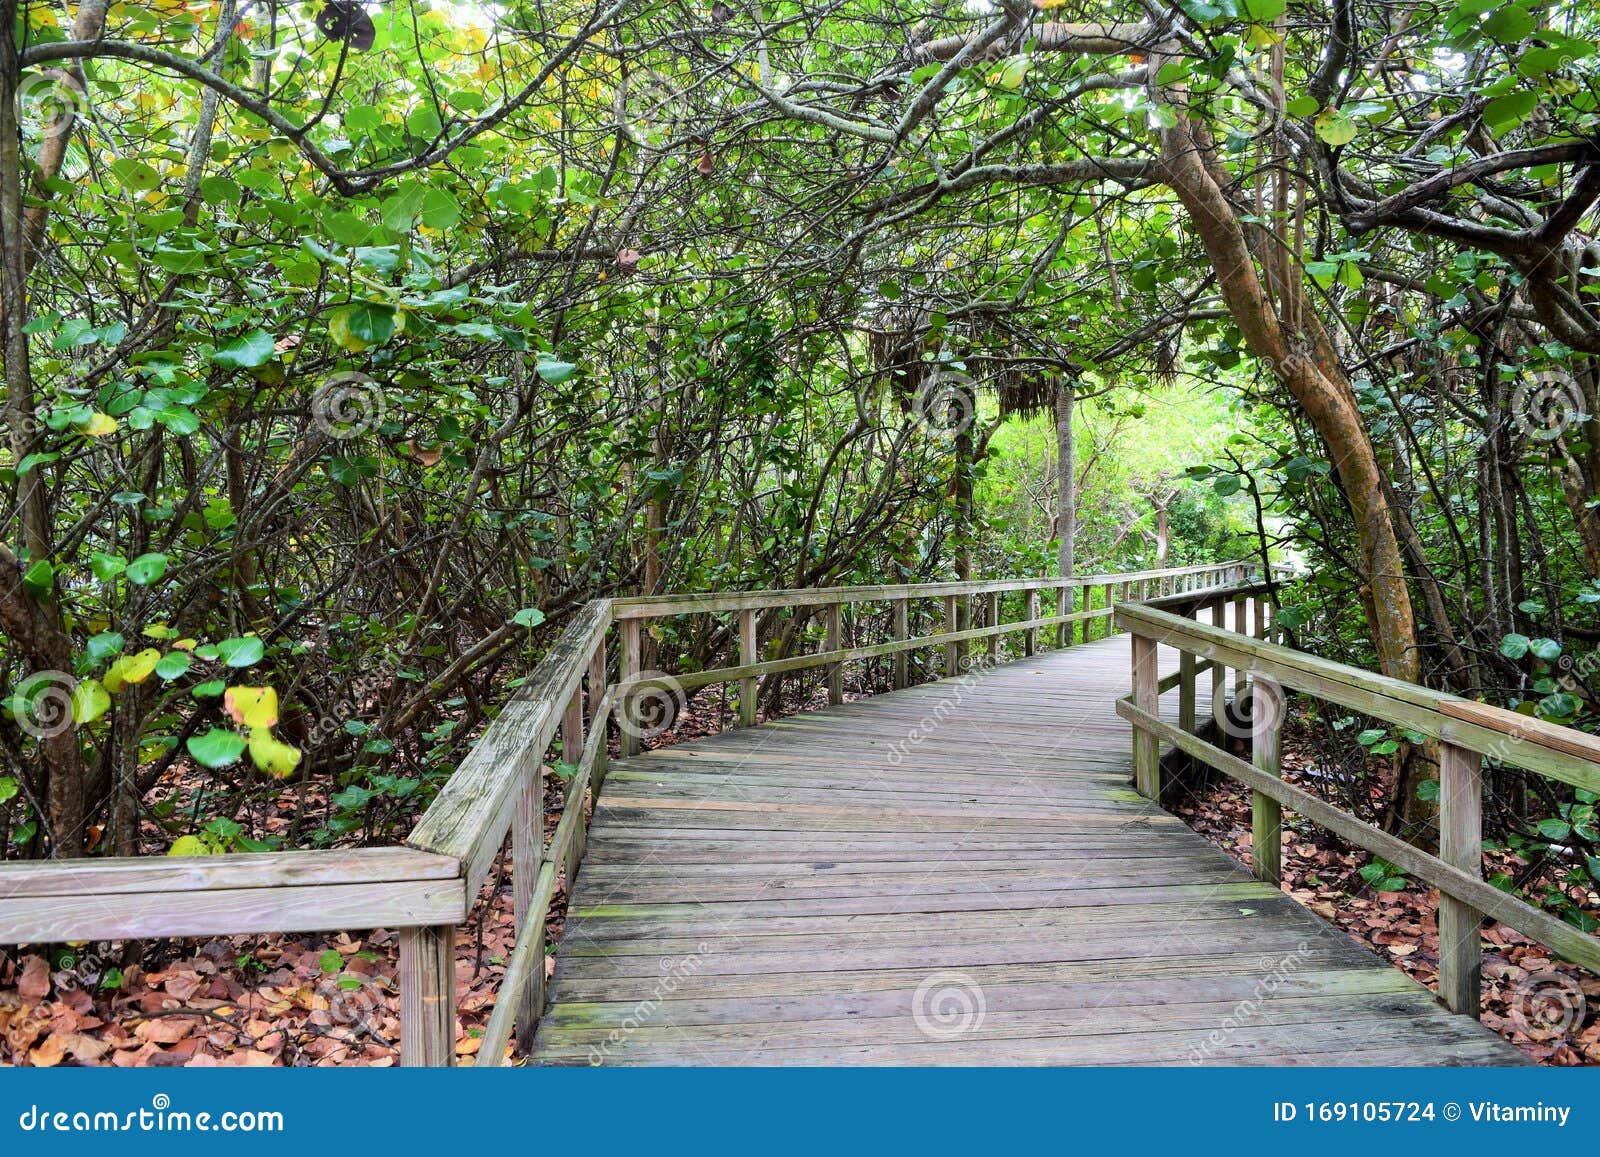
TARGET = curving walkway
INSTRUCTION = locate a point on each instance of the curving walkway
(823, 889)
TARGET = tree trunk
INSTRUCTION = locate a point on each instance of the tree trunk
(1066, 470)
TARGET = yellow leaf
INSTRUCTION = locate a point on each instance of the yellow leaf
(188, 846)
(251, 706)
(135, 668)
(89, 701)
(272, 756)
(98, 426)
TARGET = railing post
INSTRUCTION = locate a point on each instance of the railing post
(1240, 627)
(952, 651)
(629, 669)
(1064, 605)
(1266, 748)
(902, 632)
(1186, 686)
(834, 642)
(597, 678)
(1461, 846)
(1030, 637)
(527, 852)
(428, 995)
(991, 618)
(1146, 696)
(747, 657)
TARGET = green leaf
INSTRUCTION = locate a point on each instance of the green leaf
(147, 569)
(362, 324)
(331, 961)
(39, 579)
(1514, 646)
(253, 349)
(1302, 106)
(1335, 128)
(173, 664)
(106, 567)
(1507, 112)
(528, 617)
(217, 748)
(555, 372)
(8, 789)
(241, 652)
(104, 645)
(1554, 829)
(1547, 649)
(1510, 24)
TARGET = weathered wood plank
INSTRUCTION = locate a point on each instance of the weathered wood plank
(231, 911)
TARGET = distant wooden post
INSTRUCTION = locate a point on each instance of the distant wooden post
(629, 669)
(1030, 637)
(1146, 696)
(747, 657)
(1064, 606)
(428, 995)
(991, 618)
(902, 632)
(1266, 744)
(952, 651)
(1461, 846)
(834, 642)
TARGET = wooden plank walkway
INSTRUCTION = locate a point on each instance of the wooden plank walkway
(823, 890)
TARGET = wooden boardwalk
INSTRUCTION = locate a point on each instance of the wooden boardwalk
(958, 873)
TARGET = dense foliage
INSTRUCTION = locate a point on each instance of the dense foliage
(349, 346)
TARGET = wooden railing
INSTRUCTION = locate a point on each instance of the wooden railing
(427, 888)
(1465, 732)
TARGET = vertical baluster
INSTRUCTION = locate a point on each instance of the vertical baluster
(428, 995)
(1146, 696)
(747, 657)
(1461, 846)
(629, 664)
(1030, 637)
(1064, 604)
(1266, 744)
(952, 651)
(991, 618)
(834, 642)
(902, 632)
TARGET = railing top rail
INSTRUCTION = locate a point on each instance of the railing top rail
(1550, 749)
(656, 606)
